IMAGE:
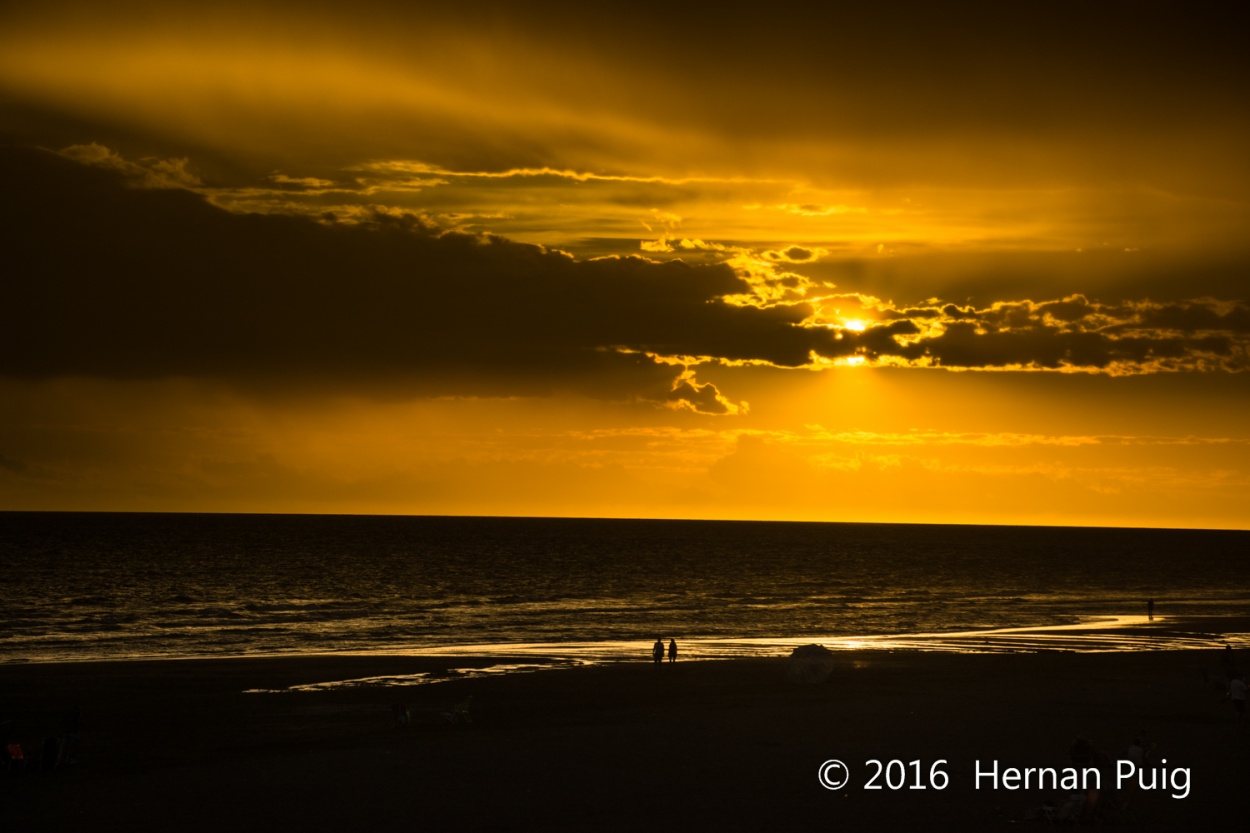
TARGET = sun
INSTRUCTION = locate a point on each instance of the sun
(855, 324)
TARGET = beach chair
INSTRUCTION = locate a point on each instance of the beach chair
(459, 711)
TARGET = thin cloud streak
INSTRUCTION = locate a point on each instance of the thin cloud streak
(407, 167)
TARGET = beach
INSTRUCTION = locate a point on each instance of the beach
(218, 744)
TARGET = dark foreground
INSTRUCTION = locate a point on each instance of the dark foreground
(177, 745)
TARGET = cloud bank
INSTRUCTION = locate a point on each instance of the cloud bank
(117, 271)
(114, 281)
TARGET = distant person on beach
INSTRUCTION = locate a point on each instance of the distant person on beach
(657, 651)
(1150, 609)
(1237, 693)
(672, 650)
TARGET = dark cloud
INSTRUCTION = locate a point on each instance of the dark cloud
(1197, 316)
(1073, 334)
(121, 282)
(1067, 310)
(978, 279)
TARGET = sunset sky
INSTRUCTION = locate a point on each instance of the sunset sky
(880, 262)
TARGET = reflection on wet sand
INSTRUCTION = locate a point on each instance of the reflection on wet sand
(1097, 634)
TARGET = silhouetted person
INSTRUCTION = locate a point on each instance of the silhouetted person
(672, 650)
(1150, 609)
(657, 651)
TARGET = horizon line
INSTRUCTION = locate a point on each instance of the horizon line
(1091, 526)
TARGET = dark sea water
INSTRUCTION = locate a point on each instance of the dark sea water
(91, 586)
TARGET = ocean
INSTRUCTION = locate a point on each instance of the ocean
(85, 586)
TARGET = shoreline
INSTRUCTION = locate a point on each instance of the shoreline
(1098, 633)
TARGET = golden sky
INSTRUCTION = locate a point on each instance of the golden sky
(973, 264)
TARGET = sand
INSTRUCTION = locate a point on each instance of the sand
(714, 745)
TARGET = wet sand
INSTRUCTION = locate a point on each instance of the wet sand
(714, 745)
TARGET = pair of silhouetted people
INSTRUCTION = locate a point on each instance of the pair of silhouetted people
(657, 651)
